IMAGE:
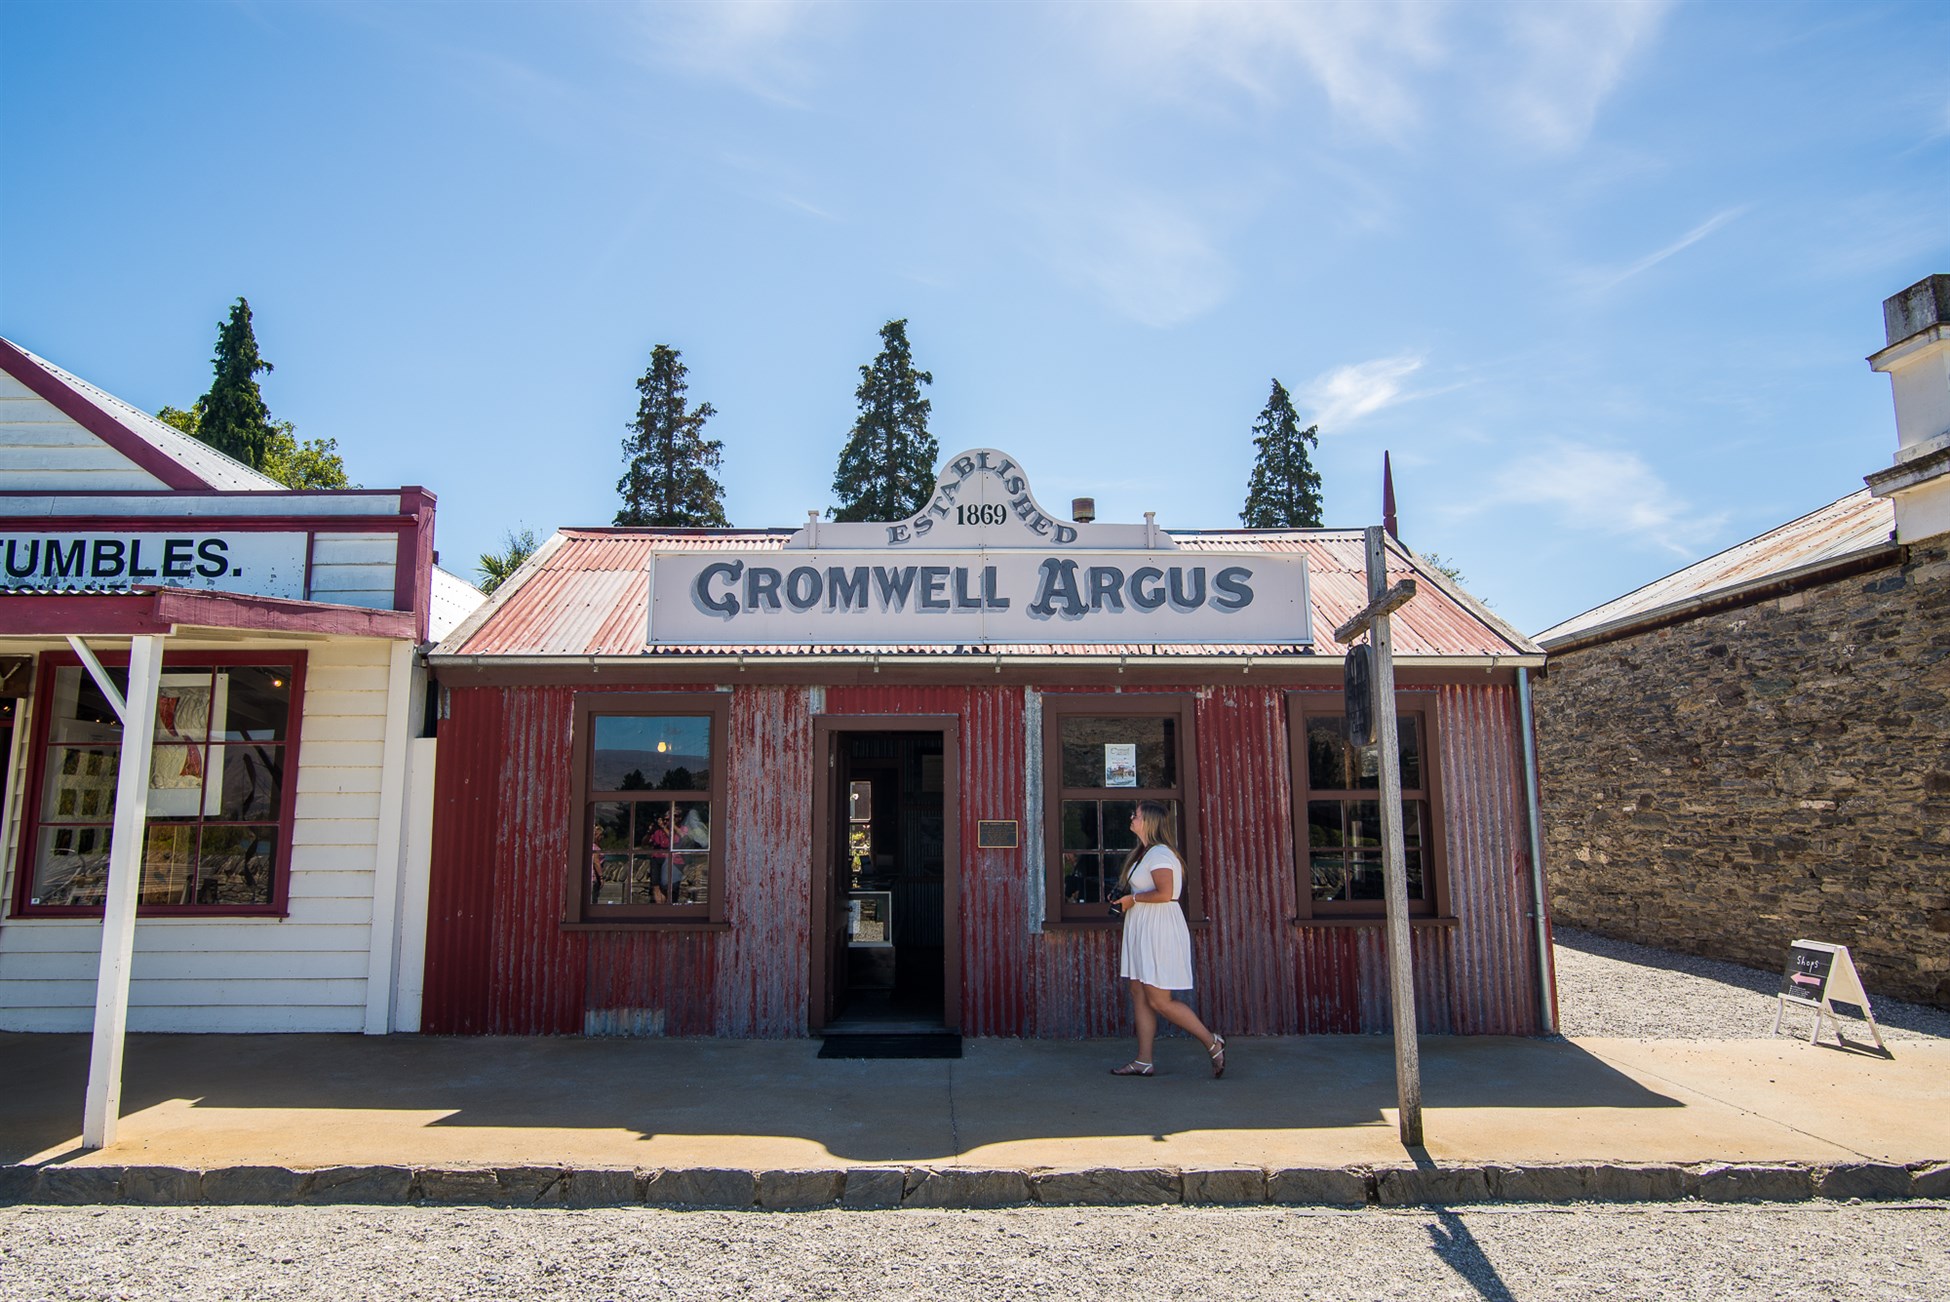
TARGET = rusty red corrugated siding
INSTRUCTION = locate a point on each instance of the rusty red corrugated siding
(498, 959)
(499, 962)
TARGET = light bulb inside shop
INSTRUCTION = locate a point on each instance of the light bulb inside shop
(662, 746)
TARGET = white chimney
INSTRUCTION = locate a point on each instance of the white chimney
(1917, 362)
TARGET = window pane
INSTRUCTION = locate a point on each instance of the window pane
(648, 880)
(1327, 753)
(1412, 862)
(611, 826)
(1080, 825)
(693, 824)
(236, 865)
(80, 712)
(70, 866)
(81, 784)
(1365, 881)
(168, 863)
(1324, 823)
(1409, 738)
(1117, 823)
(651, 832)
(1087, 762)
(257, 703)
(690, 878)
(185, 701)
(611, 879)
(651, 752)
(1413, 812)
(1329, 877)
(250, 780)
(1081, 881)
(1363, 823)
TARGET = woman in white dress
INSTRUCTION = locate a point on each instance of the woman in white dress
(1157, 945)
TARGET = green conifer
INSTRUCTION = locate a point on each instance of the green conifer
(671, 478)
(1284, 492)
(886, 469)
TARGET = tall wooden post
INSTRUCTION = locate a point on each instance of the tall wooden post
(1401, 977)
(103, 1108)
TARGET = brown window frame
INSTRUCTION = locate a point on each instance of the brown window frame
(579, 911)
(1302, 705)
(1058, 706)
(174, 662)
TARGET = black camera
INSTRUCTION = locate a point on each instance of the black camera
(1116, 909)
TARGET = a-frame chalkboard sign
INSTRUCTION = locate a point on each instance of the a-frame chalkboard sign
(1819, 975)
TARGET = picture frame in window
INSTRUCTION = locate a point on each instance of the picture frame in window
(190, 710)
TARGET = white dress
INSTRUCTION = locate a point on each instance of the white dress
(1157, 943)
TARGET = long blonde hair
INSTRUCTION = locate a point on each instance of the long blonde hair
(1154, 828)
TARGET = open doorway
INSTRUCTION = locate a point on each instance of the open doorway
(887, 835)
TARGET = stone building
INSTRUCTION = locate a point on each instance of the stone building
(1757, 748)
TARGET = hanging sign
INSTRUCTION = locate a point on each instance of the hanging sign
(1818, 976)
(982, 565)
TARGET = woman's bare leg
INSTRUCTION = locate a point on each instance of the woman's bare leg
(1161, 1003)
(1147, 1021)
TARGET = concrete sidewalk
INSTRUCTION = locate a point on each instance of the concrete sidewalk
(283, 1118)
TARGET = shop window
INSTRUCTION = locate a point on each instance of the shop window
(217, 838)
(649, 776)
(1101, 755)
(1338, 823)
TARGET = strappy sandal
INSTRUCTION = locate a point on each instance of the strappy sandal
(1135, 1068)
(1218, 1055)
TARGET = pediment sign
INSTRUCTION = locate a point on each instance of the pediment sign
(982, 501)
(982, 564)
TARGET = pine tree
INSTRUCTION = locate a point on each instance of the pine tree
(886, 469)
(671, 476)
(1284, 492)
(313, 463)
(232, 417)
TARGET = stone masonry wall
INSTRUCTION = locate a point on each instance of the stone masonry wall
(1754, 775)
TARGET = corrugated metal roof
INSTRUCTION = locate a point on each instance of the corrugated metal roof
(1853, 527)
(202, 460)
(584, 593)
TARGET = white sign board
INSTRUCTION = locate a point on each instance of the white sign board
(260, 564)
(977, 598)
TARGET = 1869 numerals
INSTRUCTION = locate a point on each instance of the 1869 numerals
(989, 513)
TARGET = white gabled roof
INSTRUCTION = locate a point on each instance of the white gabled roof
(130, 431)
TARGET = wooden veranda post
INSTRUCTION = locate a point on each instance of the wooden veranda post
(1401, 977)
(102, 1110)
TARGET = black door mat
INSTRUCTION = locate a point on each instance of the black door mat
(891, 1046)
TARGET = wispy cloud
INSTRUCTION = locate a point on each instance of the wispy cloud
(1570, 58)
(757, 45)
(1539, 73)
(1601, 282)
(1344, 395)
(1602, 490)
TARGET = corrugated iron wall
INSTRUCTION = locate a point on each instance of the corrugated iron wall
(499, 962)
(498, 959)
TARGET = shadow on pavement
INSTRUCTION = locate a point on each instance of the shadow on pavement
(889, 1110)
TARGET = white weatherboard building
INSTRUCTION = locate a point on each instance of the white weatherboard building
(268, 643)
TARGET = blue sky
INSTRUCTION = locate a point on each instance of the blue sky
(1601, 277)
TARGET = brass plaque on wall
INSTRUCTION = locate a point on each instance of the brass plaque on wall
(996, 834)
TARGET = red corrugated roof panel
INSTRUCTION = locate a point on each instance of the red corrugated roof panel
(586, 594)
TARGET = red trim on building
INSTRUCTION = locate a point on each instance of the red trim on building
(97, 421)
(162, 610)
(413, 567)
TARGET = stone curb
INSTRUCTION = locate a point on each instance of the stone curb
(961, 1188)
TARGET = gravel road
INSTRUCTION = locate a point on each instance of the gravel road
(1806, 1252)
(1615, 988)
